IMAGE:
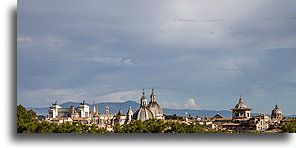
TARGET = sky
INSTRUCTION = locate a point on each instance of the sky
(196, 54)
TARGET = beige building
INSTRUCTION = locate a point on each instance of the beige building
(262, 122)
(120, 118)
(105, 121)
(241, 110)
(276, 115)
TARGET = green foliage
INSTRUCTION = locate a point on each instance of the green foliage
(69, 128)
(158, 126)
(46, 127)
(289, 127)
(27, 122)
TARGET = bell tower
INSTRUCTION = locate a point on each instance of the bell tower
(107, 110)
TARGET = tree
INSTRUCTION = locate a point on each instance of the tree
(46, 127)
(158, 126)
(289, 127)
(26, 120)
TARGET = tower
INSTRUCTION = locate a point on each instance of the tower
(153, 96)
(241, 110)
(129, 115)
(107, 110)
(94, 111)
(154, 106)
(143, 100)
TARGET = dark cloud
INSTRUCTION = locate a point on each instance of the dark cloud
(103, 47)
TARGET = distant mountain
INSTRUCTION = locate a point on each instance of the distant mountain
(291, 116)
(115, 106)
(194, 113)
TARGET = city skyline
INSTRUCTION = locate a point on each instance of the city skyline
(197, 55)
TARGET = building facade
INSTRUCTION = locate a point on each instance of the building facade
(241, 110)
(56, 111)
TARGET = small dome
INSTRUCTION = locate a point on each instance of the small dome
(120, 113)
(143, 113)
(129, 112)
(276, 110)
(240, 104)
(153, 106)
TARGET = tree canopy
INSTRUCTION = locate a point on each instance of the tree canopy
(27, 122)
(160, 126)
(289, 127)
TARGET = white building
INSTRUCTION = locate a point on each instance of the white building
(56, 111)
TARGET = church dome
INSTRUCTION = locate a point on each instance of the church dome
(120, 113)
(241, 104)
(276, 110)
(155, 107)
(143, 113)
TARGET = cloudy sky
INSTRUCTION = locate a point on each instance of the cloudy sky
(197, 54)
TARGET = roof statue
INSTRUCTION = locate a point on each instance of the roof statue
(55, 103)
(107, 110)
(83, 102)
